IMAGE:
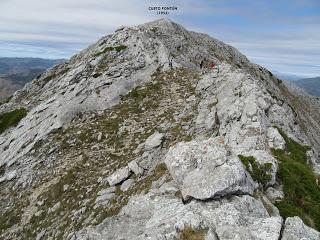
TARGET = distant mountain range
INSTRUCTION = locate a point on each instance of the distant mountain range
(16, 72)
(310, 85)
(287, 76)
(7, 87)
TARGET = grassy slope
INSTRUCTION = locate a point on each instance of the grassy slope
(302, 194)
(11, 119)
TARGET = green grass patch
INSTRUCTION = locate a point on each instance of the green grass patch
(154, 29)
(109, 49)
(54, 75)
(11, 119)
(11, 217)
(301, 193)
(191, 234)
(259, 172)
(120, 48)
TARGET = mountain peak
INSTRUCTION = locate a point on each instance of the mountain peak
(158, 131)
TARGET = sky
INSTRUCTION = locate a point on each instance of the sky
(281, 35)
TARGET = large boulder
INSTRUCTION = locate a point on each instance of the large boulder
(135, 168)
(243, 218)
(153, 141)
(205, 170)
(275, 140)
(295, 229)
(105, 195)
(119, 176)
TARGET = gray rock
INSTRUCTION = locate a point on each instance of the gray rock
(274, 194)
(105, 195)
(314, 161)
(126, 185)
(11, 175)
(40, 203)
(99, 136)
(161, 217)
(134, 167)
(54, 207)
(66, 187)
(295, 229)
(8, 176)
(244, 218)
(79, 213)
(211, 235)
(40, 235)
(275, 140)
(3, 179)
(119, 176)
(204, 170)
(153, 141)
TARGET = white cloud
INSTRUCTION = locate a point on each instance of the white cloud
(62, 21)
(59, 28)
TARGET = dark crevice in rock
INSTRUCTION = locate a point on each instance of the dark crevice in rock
(216, 235)
(282, 229)
(189, 199)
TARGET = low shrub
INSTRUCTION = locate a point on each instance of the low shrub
(259, 172)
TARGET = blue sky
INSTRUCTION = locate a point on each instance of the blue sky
(281, 35)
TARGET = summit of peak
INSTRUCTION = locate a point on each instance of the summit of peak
(162, 22)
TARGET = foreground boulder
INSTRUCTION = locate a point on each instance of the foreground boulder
(154, 216)
(295, 229)
(205, 170)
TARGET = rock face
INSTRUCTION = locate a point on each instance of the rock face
(205, 170)
(117, 145)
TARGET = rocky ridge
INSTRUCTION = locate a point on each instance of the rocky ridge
(117, 145)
